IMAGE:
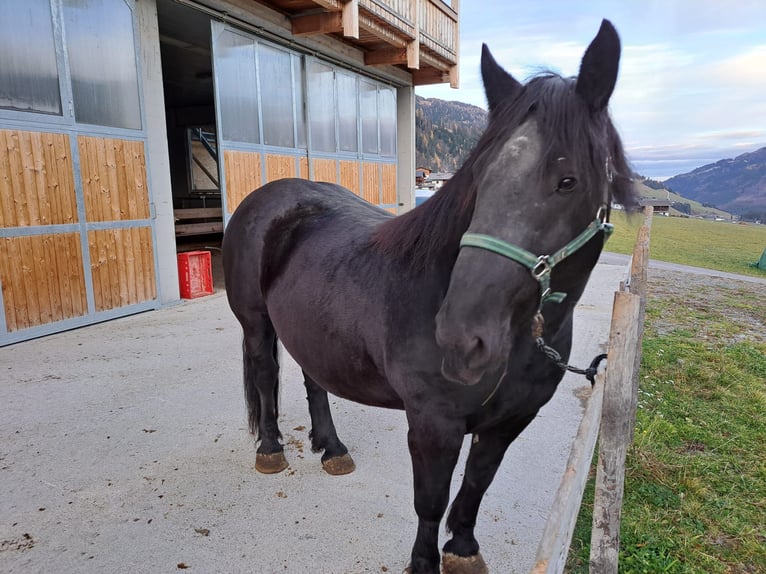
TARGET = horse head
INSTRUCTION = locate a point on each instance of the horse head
(545, 172)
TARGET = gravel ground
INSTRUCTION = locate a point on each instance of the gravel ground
(701, 292)
(123, 448)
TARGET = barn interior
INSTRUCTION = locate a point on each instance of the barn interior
(187, 67)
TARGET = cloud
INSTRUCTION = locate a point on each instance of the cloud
(692, 76)
(744, 70)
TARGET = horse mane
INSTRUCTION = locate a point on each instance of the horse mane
(433, 229)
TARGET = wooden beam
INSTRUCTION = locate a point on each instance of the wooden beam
(323, 23)
(413, 47)
(198, 213)
(388, 56)
(350, 17)
(413, 55)
(454, 77)
(428, 76)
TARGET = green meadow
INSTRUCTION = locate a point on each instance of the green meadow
(719, 245)
(695, 480)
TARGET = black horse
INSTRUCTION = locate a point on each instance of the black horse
(433, 311)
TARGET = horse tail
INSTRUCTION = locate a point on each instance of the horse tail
(261, 377)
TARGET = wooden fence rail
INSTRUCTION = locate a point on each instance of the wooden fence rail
(610, 417)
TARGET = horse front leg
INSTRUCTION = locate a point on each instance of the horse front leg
(461, 552)
(434, 445)
(335, 459)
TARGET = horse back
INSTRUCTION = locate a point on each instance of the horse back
(270, 221)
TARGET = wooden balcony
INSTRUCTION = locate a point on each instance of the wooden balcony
(420, 36)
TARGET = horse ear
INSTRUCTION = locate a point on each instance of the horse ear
(498, 84)
(598, 70)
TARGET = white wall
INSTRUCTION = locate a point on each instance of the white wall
(157, 153)
(405, 145)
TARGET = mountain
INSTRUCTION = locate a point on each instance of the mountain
(736, 185)
(446, 132)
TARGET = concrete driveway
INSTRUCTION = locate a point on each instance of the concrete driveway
(124, 449)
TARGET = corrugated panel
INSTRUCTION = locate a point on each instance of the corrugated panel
(389, 184)
(113, 175)
(122, 266)
(36, 179)
(349, 175)
(371, 182)
(243, 175)
(279, 166)
(42, 278)
(325, 170)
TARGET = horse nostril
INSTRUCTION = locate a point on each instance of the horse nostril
(476, 352)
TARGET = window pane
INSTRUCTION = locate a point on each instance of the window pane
(102, 60)
(368, 103)
(237, 88)
(28, 73)
(322, 106)
(276, 96)
(387, 122)
(300, 115)
(347, 127)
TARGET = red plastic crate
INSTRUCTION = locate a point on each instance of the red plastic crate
(195, 274)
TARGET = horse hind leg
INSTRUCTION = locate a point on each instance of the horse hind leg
(335, 459)
(261, 382)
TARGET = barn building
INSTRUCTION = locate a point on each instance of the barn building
(128, 125)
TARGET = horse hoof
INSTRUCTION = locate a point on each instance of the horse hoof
(270, 463)
(454, 564)
(339, 465)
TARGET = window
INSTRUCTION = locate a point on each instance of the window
(102, 61)
(237, 88)
(300, 114)
(29, 78)
(368, 105)
(321, 81)
(276, 96)
(387, 121)
(347, 113)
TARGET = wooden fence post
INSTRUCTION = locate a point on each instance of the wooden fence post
(554, 546)
(615, 433)
(637, 286)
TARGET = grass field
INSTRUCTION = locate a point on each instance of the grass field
(710, 244)
(695, 485)
(695, 489)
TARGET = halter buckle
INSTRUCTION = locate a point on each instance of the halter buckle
(601, 214)
(541, 268)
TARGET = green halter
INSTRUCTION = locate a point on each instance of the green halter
(541, 266)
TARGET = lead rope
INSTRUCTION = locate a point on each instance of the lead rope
(538, 324)
(553, 355)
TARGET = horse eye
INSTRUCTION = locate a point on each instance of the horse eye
(567, 184)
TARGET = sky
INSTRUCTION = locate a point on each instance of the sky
(692, 83)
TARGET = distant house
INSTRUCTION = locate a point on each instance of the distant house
(436, 180)
(421, 174)
(659, 206)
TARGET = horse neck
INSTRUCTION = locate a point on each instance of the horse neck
(429, 235)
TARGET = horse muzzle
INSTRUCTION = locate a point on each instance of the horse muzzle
(467, 354)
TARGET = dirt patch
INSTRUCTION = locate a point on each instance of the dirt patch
(25, 542)
(743, 302)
